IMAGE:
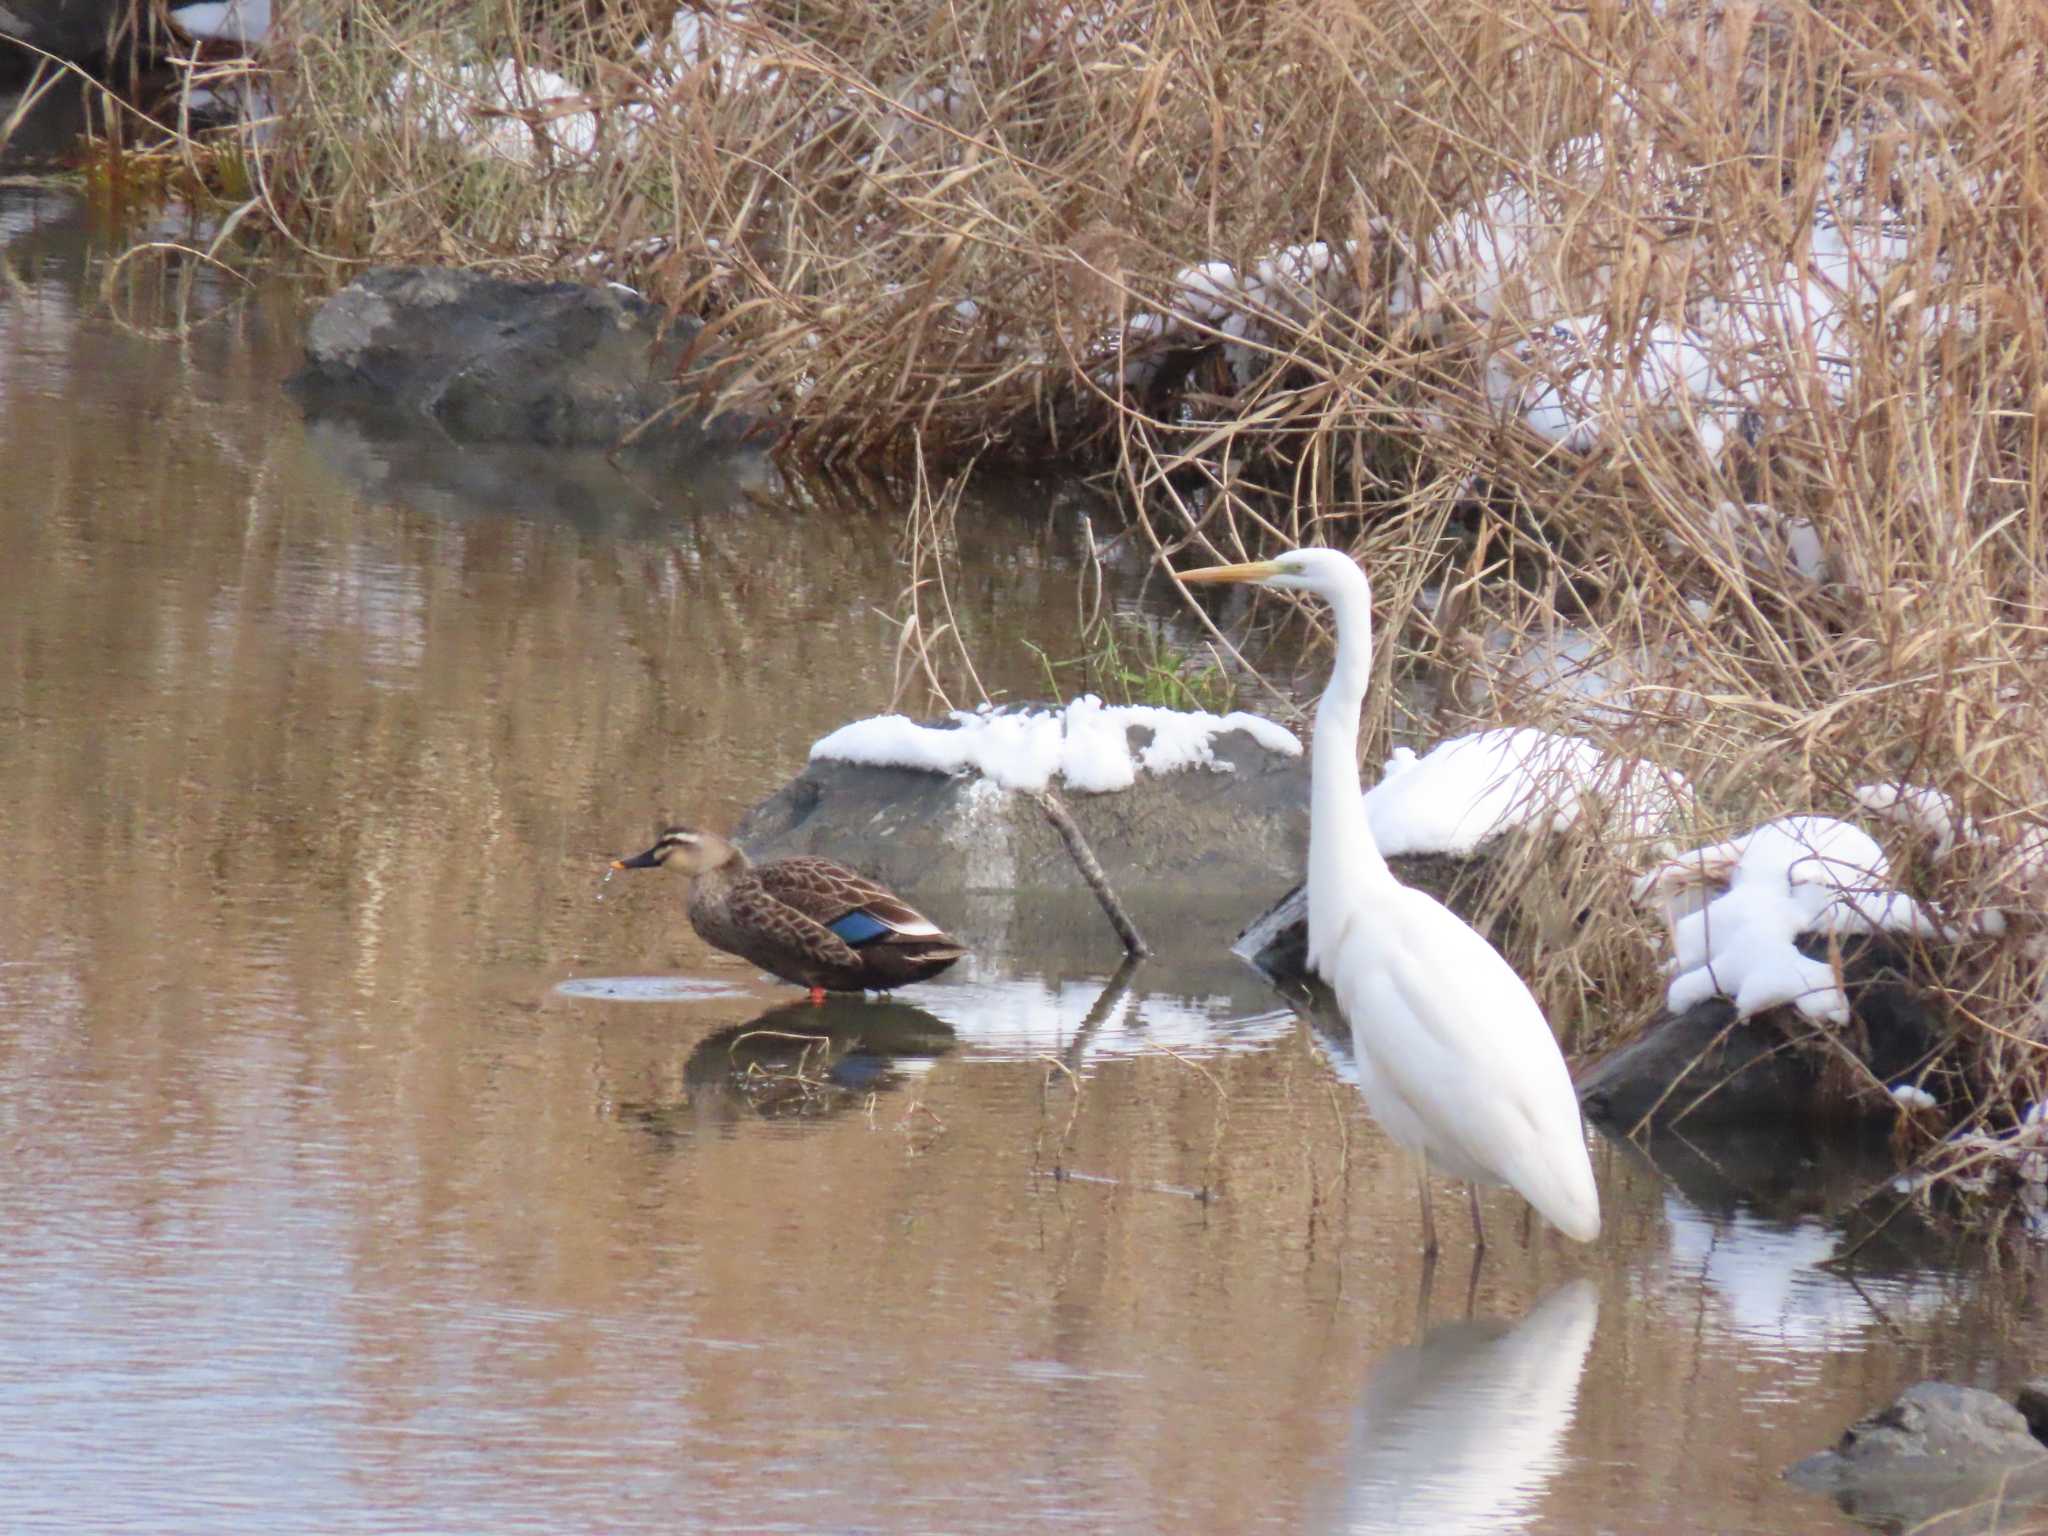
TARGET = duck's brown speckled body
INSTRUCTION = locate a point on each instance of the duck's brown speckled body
(810, 921)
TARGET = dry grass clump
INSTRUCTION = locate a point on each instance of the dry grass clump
(1675, 367)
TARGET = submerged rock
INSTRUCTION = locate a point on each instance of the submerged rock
(1702, 1067)
(490, 360)
(1243, 829)
(1930, 1461)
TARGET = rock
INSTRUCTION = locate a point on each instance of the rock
(1243, 833)
(1699, 1068)
(1276, 942)
(1929, 1457)
(1693, 1067)
(71, 29)
(489, 360)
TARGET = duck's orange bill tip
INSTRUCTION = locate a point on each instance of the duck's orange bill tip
(618, 863)
(1255, 570)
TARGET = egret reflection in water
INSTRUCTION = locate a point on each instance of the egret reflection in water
(1464, 1431)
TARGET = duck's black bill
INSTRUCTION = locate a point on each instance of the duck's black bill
(645, 860)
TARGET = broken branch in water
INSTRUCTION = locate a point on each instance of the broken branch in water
(1091, 871)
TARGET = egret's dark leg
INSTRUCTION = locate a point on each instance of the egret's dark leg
(1478, 1226)
(1428, 1210)
(1472, 1284)
(1422, 1292)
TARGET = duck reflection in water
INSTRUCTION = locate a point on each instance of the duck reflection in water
(802, 1060)
(1464, 1431)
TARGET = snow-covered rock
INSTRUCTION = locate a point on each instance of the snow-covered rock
(1085, 744)
(1736, 910)
(1470, 789)
(1185, 812)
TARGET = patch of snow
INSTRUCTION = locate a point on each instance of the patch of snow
(1744, 340)
(1909, 1097)
(1471, 788)
(1794, 876)
(245, 23)
(715, 34)
(1584, 675)
(1922, 810)
(508, 112)
(1086, 744)
(1765, 540)
(1220, 301)
(1571, 383)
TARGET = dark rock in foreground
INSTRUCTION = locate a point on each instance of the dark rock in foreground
(1160, 841)
(1701, 1068)
(489, 360)
(1930, 1460)
(71, 29)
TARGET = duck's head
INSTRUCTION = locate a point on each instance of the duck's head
(685, 850)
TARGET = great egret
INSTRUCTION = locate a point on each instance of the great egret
(811, 921)
(1455, 1058)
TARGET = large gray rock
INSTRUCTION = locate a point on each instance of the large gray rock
(1161, 842)
(1930, 1460)
(489, 360)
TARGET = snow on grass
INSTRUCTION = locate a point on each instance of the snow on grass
(1471, 788)
(1736, 908)
(1751, 339)
(507, 111)
(245, 23)
(1086, 745)
(1243, 307)
(1923, 810)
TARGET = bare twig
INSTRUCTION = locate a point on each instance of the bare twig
(1091, 871)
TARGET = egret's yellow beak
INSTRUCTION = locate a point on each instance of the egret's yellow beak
(1255, 570)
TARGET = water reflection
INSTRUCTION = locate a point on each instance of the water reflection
(1086, 1020)
(807, 1059)
(1772, 1223)
(795, 1061)
(1465, 1431)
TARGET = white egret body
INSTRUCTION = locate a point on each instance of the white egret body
(1454, 1056)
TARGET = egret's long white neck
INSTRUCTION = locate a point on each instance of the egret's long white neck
(1341, 851)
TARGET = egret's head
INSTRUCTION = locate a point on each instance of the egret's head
(684, 850)
(1328, 573)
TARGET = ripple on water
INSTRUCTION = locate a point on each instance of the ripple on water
(648, 989)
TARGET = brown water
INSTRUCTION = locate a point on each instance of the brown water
(363, 1170)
